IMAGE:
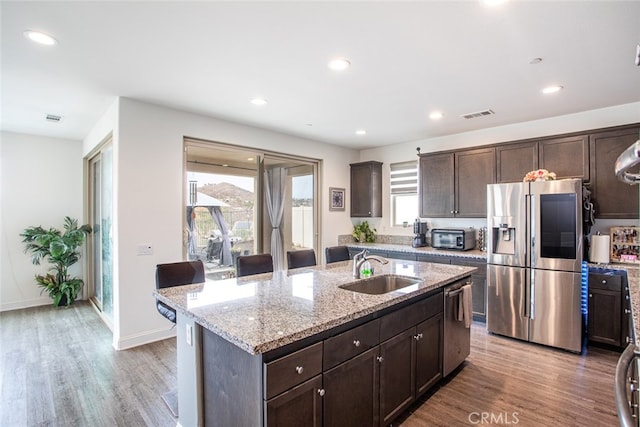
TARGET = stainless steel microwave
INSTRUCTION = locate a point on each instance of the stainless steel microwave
(461, 239)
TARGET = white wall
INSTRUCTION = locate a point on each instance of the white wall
(605, 117)
(40, 184)
(148, 163)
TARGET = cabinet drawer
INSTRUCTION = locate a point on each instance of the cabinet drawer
(610, 282)
(398, 321)
(291, 370)
(351, 343)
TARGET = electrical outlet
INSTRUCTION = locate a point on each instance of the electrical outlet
(145, 249)
(189, 335)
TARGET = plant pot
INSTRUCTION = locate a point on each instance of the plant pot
(63, 301)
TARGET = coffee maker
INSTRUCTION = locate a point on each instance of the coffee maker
(419, 233)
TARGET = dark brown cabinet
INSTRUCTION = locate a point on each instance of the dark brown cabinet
(612, 198)
(608, 309)
(300, 406)
(479, 289)
(351, 392)
(567, 157)
(366, 189)
(455, 184)
(513, 161)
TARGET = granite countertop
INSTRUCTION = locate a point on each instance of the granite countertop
(427, 250)
(267, 311)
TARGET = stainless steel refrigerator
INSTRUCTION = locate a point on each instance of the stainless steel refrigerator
(534, 261)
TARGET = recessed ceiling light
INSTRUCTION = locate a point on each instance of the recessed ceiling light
(436, 115)
(259, 101)
(339, 64)
(535, 61)
(492, 2)
(250, 159)
(39, 37)
(361, 132)
(552, 89)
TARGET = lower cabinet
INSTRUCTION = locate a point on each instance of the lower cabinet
(351, 392)
(300, 406)
(609, 309)
(371, 373)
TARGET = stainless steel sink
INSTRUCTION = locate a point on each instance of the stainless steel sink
(383, 284)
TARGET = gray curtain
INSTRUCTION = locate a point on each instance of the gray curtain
(216, 214)
(274, 183)
(192, 247)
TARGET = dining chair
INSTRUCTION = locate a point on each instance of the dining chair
(301, 258)
(336, 253)
(254, 264)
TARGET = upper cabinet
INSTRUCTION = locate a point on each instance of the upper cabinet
(455, 184)
(366, 189)
(513, 161)
(611, 197)
(567, 157)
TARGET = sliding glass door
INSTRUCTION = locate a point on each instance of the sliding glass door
(101, 239)
(228, 190)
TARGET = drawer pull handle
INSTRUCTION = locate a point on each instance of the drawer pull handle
(299, 369)
(627, 311)
(321, 391)
(356, 343)
(380, 359)
(604, 282)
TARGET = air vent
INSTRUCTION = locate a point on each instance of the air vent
(53, 118)
(478, 114)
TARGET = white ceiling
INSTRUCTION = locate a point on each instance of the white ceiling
(408, 59)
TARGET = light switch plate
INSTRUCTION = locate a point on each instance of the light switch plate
(189, 335)
(145, 249)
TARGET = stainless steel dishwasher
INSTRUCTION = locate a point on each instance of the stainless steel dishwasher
(457, 337)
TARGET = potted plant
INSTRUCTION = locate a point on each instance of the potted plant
(363, 233)
(61, 250)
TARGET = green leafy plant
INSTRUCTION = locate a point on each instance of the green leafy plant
(61, 250)
(363, 233)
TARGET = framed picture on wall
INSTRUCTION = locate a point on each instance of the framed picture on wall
(336, 199)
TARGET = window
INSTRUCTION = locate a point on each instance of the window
(404, 192)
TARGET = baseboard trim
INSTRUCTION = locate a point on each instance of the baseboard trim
(124, 343)
(18, 305)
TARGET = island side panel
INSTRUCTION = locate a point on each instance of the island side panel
(232, 383)
(189, 345)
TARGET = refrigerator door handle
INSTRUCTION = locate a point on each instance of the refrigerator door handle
(527, 294)
(532, 293)
(532, 228)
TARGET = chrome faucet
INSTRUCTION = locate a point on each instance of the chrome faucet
(357, 263)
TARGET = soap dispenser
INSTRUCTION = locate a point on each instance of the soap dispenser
(365, 269)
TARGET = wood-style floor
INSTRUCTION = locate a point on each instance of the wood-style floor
(58, 368)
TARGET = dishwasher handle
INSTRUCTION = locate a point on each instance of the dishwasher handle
(623, 404)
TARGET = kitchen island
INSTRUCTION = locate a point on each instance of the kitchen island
(264, 349)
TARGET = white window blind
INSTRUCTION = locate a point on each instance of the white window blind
(404, 177)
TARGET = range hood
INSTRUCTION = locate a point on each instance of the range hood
(626, 161)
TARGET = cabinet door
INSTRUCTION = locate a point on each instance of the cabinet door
(474, 169)
(605, 319)
(366, 189)
(428, 353)
(612, 198)
(479, 293)
(436, 185)
(513, 161)
(567, 157)
(300, 406)
(397, 375)
(351, 392)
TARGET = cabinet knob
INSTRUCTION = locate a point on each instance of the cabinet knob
(321, 391)
(590, 295)
(356, 343)
(418, 336)
(627, 311)
(628, 340)
(380, 359)
(604, 282)
(452, 212)
(299, 369)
